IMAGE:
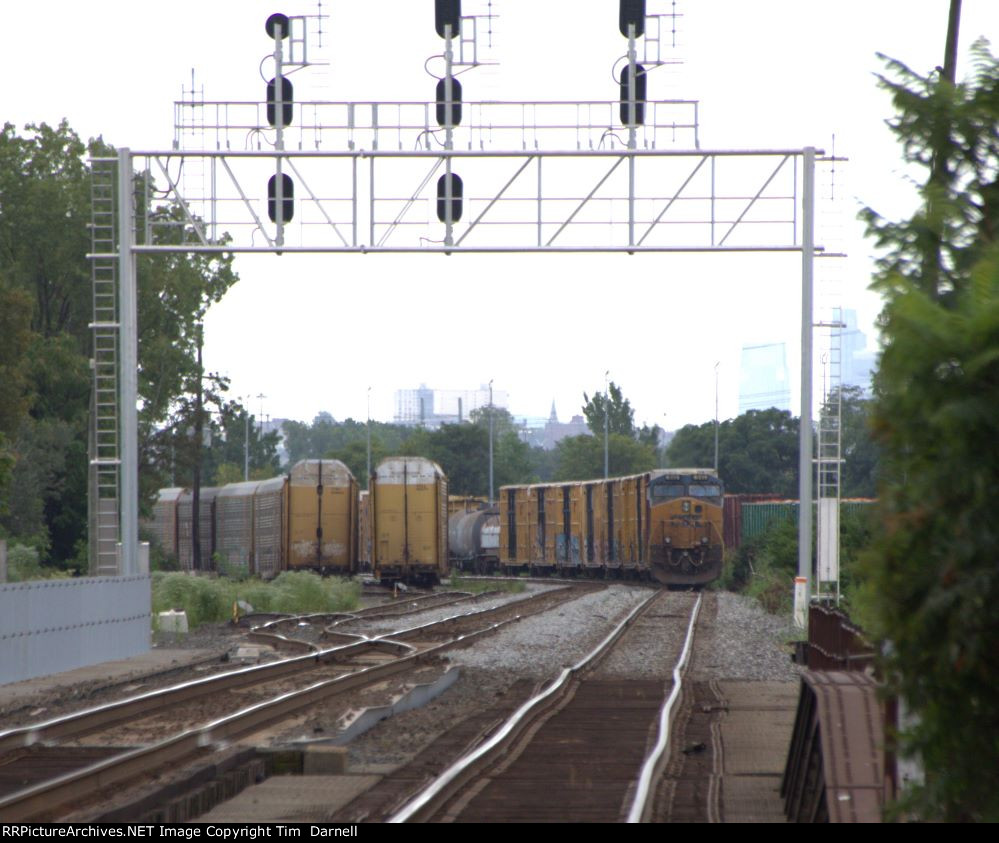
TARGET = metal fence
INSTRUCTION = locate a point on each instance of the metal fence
(49, 626)
(835, 643)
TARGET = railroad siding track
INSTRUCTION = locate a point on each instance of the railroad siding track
(579, 766)
(573, 753)
(42, 798)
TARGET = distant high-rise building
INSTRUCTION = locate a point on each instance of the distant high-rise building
(433, 407)
(764, 381)
(858, 362)
(414, 406)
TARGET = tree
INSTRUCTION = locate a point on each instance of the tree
(582, 457)
(858, 477)
(757, 451)
(228, 447)
(15, 386)
(933, 574)
(620, 416)
(44, 239)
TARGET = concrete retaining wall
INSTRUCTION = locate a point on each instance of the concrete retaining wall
(49, 626)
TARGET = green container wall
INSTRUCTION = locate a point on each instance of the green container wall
(757, 518)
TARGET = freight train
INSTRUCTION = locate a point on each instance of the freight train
(311, 520)
(307, 519)
(664, 525)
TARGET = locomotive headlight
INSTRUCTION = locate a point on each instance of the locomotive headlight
(686, 506)
(669, 540)
(704, 540)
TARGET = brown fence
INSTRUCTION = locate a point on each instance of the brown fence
(834, 643)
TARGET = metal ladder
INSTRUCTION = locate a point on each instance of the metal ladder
(829, 461)
(104, 454)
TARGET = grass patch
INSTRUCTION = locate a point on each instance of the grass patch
(478, 586)
(208, 599)
(24, 565)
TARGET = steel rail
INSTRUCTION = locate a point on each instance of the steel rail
(36, 801)
(42, 800)
(451, 780)
(643, 803)
(105, 716)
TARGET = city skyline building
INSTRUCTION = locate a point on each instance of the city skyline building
(763, 378)
(858, 363)
(430, 408)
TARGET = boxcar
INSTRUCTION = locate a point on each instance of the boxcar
(234, 523)
(323, 523)
(270, 520)
(164, 522)
(408, 509)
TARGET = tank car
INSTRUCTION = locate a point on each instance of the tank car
(473, 540)
(408, 507)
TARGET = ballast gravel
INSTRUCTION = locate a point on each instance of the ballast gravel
(385, 626)
(538, 647)
(742, 641)
(735, 639)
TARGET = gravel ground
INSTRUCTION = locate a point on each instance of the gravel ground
(493, 664)
(540, 646)
(650, 649)
(742, 641)
(736, 639)
(383, 626)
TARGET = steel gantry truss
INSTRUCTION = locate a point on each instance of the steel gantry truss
(573, 201)
(445, 176)
(624, 200)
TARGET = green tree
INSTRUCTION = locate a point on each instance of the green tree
(858, 478)
(620, 416)
(933, 576)
(582, 457)
(229, 432)
(44, 240)
(757, 451)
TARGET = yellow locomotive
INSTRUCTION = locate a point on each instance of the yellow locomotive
(664, 524)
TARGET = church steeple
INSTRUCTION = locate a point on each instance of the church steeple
(553, 418)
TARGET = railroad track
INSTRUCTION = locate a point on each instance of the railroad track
(35, 793)
(584, 748)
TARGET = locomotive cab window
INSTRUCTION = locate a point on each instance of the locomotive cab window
(705, 490)
(669, 490)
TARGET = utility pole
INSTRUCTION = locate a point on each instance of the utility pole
(246, 442)
(367, 483)
(606, 426)
(716, 414)
(196, 485)
(490, 443)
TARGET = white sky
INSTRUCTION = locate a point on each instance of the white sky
(313, 333)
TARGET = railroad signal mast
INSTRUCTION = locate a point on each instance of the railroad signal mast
(376, 177)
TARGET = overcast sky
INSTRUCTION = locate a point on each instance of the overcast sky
(313, 333)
